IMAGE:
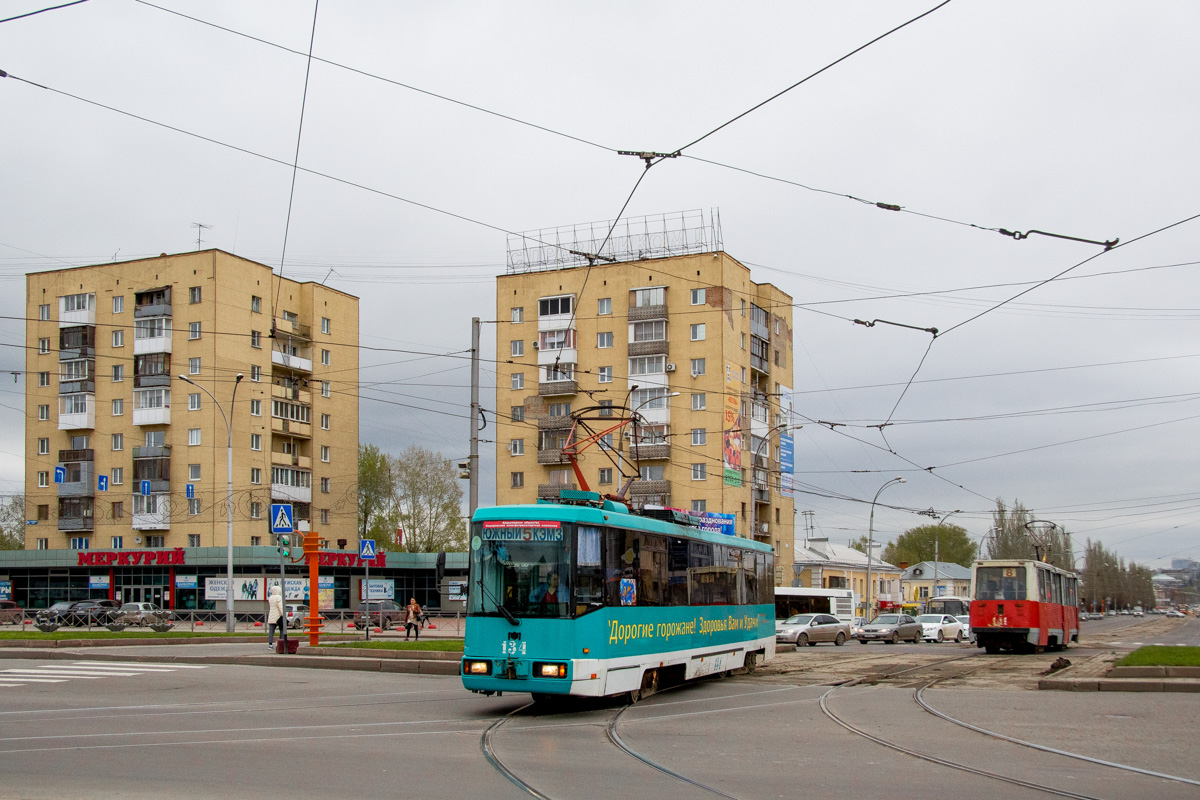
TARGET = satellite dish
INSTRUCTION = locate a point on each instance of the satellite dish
(138, 539)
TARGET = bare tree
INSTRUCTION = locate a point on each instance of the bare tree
(428, 501)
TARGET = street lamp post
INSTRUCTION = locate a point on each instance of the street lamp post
(230, 622)
(941, 522)
(871, 543)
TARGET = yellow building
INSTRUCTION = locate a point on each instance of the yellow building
(122, 453)
(699, 350)
(820, 564)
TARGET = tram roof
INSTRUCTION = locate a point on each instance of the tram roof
(611, 515)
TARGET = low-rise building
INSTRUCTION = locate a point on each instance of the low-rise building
(927, 579)
(821, 564)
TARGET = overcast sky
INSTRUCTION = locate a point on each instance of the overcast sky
(1079, 398)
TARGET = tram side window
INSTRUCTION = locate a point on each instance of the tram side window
(712, 581)
(766, 574)
(1058, 588)
(1043, 586)
(677, 572)
(750, 575)
(1072, 600)
(637, 569)
(589, 578)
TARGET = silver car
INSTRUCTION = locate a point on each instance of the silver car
(808, 629)
(142, 614)
(891, 628)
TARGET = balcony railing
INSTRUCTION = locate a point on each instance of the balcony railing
(554, 388)
(657, 347)
(554, 423)
(291, 427)
(289, 361)
(74, 524)
(550, 491)
(551, 457)
(638, 313)
(650, 487)
(650, 452)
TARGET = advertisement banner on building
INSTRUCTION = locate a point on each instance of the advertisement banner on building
(97, 581)
(732, 426)
(297, 588)
(380, 589)
(456, 590)
(186, 582)
(5, 590)
(787, 464)
(718, 523)
(786, 405)
(243, 589)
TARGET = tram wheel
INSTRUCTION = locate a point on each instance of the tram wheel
(991, 649)
(752, 662)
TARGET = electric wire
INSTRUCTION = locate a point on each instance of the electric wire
(42, 11)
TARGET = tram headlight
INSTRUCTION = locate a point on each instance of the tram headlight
(543, 669)
(477, 667)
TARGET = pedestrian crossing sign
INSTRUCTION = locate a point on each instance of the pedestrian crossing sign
(281, 518)
(366, 549)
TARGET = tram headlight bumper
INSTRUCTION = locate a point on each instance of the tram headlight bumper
(547, 669)
(472, 667)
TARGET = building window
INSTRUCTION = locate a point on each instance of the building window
(699, 436)
(79, 543)
(118, 476)
(325, 325)
(605, 475)
(255, 513)
(697, 402)
(698, 332)
(193, 540)
(606, 442)
(193, 366)
(193, 472)
(326, 485)
(518, 347)
(325, 453)
(193, 437)
(118, 338)
(193, 330)
(518, 314)
(256, 408)
(606, 408)
(604, 374)
(43, 513)
(743, 308)
(256, 304)
(43, 379)
(518, 480)
(43, 479)
(118, 407)
(194, 401)
(44, 312)
(649, 297)
(44, 412)
(118, 542)
(517, 413)
(156, 541)
(559, 409)
(518, 380)
(553, 306)
(44, 446)
(118, 304)
(326, 391)
(43, 544)
(699, 472)
(324, 358)
(43, 346)
(654, 330)
(324, 422)
(118, 441)
(516, 447)
(652, 472)
(255, 475)
(697, 297)
(194, 295)
(256, 441)
(256, 339)
(118, 373)
(697, 366)
(604, 306)
(255, 373)
(699, 506)
(324, 516)
(604, 340)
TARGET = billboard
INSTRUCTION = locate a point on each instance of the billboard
(787, 464)
(732, 427)
(243, 589)
(718, 523)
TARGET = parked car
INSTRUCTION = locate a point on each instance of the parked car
(808, 629)
(296, 614)
(891, 628)
(142, 614)
(55, 614)
(940, 627)
(384, 614)
(11, 613)
(1174, 613)
(965, 621)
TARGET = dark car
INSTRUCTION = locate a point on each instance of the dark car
(57, 614)
(891, 628)
(91, 613)
(384, 614)
(10, 613)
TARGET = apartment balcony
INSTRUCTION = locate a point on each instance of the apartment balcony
(291, 494)
(290, 361)
(82, 482)
(77, 352)
(150, 416)
(761, 495)
(659, 347)
(291, 460)
(554, 423)
(70, 319)
(650, 452)
(76, 524)
(552, 457)
(154, 308)
(557, 388)
(295, 394)
(82, 386)
(75, 419)
(650, 487)
(550, 491)
(639, 313)
(157, 520)
(291, 428)
(549, 356)
(152, 344)
(293, 329)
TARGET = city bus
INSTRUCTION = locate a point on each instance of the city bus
(791, 600)
(583, 597)
(949, 604)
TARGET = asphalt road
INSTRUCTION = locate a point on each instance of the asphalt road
(138, 730)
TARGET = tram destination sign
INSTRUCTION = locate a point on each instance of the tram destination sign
(513, 531)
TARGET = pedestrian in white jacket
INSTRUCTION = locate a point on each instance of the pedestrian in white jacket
(274, 616)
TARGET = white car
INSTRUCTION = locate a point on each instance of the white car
(965, 621)
(940, 627)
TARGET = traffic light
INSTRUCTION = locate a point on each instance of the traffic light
(284, 542)
(464, 469)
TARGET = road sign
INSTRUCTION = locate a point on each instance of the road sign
(281, 518)
(60, 474)
(145, 488)
(366, 549)
(102, 483)
(191, 491)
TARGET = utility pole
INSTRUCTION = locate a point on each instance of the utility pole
(473, 464)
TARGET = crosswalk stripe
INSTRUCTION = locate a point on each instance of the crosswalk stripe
(140, 664)
(99, 668)
(89, 673)
(36, 680)
(33, 673)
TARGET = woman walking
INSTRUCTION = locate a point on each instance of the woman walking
(274, 616)
(412, 619)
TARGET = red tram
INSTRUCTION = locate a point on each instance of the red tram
(1023, 605)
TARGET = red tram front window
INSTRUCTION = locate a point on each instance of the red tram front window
(1000, 583)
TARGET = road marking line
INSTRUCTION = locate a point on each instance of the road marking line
(34, 680)
(137, 664)
(99, 668)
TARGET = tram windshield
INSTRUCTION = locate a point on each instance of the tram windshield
(1000, 583)
(523, 568)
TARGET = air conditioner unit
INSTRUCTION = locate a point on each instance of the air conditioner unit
(535, 345)
(670, 367)
(762, 526)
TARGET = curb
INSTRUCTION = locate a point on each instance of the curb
(1186, 685)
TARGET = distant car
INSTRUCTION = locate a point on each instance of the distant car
(891, 628)
(808, 629)
(296, 614)
(965, 621)
(10, 613)
(142, 614)
(1174, 613)
(384, 614)
(940, 627)
(1138, 614)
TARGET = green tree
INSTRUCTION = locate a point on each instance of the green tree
(953, 546)
(428, 502)
(376, 487)
(12, 523)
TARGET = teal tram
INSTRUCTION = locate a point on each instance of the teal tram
(584, 597)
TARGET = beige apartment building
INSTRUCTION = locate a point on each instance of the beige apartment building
(124, 454)
(692, 344)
